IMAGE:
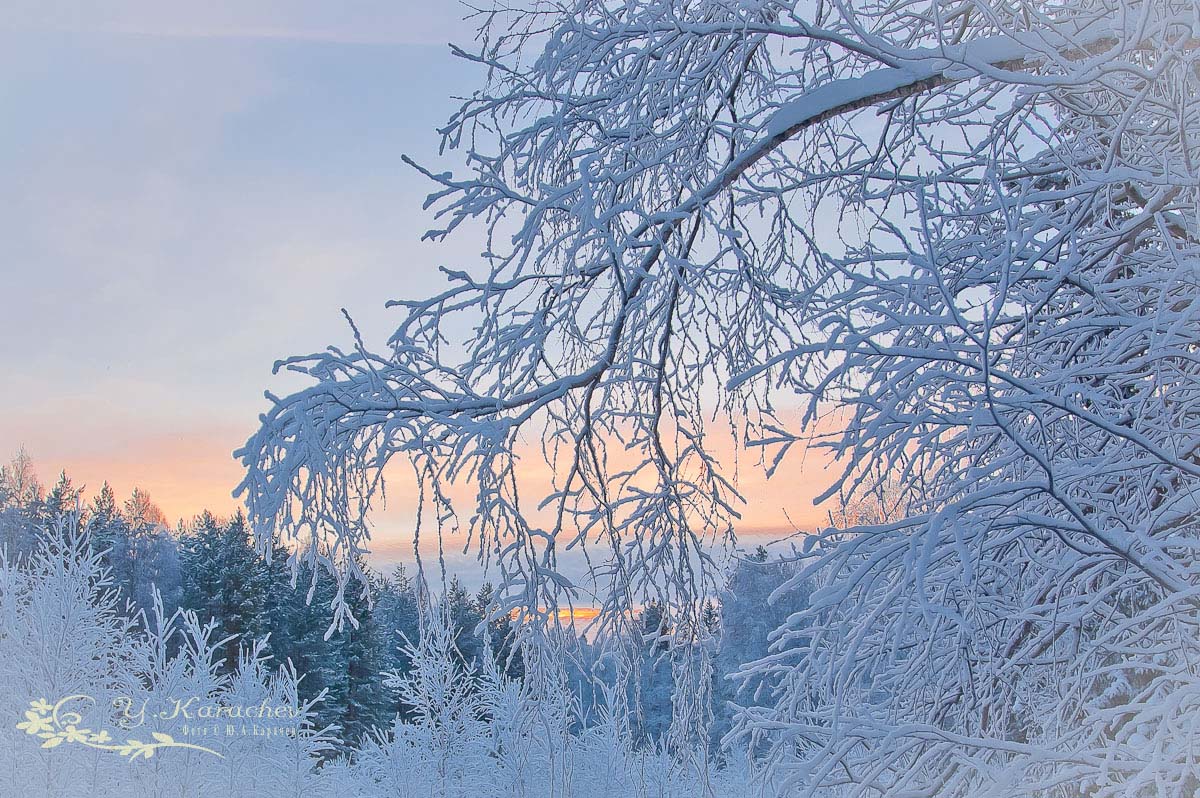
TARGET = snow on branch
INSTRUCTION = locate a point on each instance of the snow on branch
(960, 235)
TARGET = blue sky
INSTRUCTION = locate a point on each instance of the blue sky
(190, 194)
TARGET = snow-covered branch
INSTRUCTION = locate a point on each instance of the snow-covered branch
(968, 226)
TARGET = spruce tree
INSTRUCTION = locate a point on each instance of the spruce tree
(61, 502)
(502, 636)
(224, 579)
(110, 536)
(464, 619)
(365, 705)
(396, 623)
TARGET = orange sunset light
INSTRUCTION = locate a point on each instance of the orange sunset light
(194, 470)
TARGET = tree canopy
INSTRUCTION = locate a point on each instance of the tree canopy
(963, 234)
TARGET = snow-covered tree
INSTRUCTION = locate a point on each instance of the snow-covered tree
(396, 621)
(21, 497)
(760, 596)
(62, 501)
(141, 550)
(476, 732)
(225, 580)
(61, 633)
(441, 690)
(89, 692)
(962, 234)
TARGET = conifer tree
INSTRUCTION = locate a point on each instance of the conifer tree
(62, 502)
(281, 604)
(110, 537)
(152, 555)
(464, 620)
(224, 579)
(396, 623)
(366, 705)
(502, 639)
(710, 618)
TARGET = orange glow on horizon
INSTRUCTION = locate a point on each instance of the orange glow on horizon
(184, 474)
(571, 614)
(189, 472)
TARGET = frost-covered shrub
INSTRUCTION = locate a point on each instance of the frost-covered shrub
(96, 693)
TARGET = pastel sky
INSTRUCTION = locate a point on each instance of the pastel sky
(190, 191)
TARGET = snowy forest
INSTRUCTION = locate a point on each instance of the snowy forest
(950, 246)
(196, 610)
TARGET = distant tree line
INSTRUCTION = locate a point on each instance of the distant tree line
(210, 565)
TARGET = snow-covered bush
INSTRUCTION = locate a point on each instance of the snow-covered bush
(61, 634)
(97, 704)
(441, 690)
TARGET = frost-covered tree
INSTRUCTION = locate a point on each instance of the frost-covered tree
(252, 600)
(961, 234)
(89, 692)
(758, 599)
(61, 633)
(62, 501)
(63, 630)
(396, 621)
(364, 703)
(501, 640)
(441, 690)
(141, 550)
(105, 520)
(21, 497)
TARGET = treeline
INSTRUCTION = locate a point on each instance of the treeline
(252, 597)
(210, 566)
(475, 733)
